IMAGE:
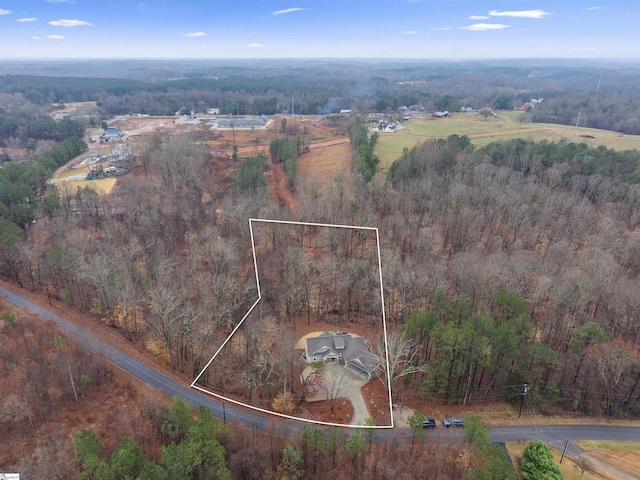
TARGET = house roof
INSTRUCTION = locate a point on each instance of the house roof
(352, 349)
(364, 360)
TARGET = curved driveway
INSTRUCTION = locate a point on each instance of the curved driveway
(153, 378)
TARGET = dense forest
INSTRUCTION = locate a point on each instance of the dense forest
(510, 264)
(499, 269)
(89, 421)
(515, 263)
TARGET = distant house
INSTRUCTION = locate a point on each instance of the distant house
(341, 348)
(345, 112)
(213, 111)
(374, 117)
(59, 114)
(444, 114)
(388, 127)
(112, 133)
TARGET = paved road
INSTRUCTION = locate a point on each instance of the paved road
(135, 367)
(554, 434)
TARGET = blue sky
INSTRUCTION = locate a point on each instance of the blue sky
(425, 29)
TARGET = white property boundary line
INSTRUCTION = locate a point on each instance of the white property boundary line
(384, 328)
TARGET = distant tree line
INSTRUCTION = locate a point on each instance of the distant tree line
(303, 89)
(531, 158)
(22, 187)
(504, 245)
(603, 110)
(286, 151)
(364, 161)
(249, 176)
(24, 124)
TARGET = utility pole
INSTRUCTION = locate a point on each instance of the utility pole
(525, 389)
(564, 451)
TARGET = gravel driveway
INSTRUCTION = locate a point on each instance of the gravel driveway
(350, 384)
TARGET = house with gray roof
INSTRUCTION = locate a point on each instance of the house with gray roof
(341, 347)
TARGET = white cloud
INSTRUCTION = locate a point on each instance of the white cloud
(478, 17)
(482, 27)
(34, 37)
(30, 19)
(520, 13)
(255, 45)
(440, 29)
(65, 22)
(4, 12)
(595, 8)
(195, 34)
(409, 32)
(55, 37)
(289, 10)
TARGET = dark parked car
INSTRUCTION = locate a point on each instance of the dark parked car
(455, 421)
(428, 423)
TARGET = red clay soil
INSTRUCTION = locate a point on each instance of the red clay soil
(376, 397)
(280, 192)
(321, 411)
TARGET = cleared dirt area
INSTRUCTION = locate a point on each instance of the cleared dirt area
(329, 149)
(342, 412)
(133, 126)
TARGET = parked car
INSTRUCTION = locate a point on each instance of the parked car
(455, 421)
(428, 423)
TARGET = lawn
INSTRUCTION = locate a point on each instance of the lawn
(570, 468)
(623, 456)
(506, 127)
(604, 460)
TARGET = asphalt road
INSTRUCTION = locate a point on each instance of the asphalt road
(552, 434)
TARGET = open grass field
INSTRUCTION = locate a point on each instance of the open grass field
(570, 468)
(507, 126)
(103, 185)
(624, 456)
(324, 163)
(604, 460)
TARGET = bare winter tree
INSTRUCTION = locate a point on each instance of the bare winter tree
(334, 385)
(613, 362)
(403, 352)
